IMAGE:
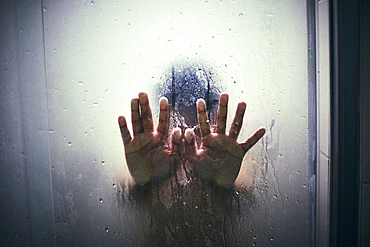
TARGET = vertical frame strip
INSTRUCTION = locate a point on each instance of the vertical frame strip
(312, 119)
(345, 129)
(35, 123)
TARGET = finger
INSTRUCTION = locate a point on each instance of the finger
(237, 122)
(163, 117)
(176, 139)
(222, 114)
(253, 139)
(146, 113)
(190, 144)
(137, 126)
(204, 125)
(126, 137)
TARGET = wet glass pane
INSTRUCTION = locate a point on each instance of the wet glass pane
(101, 54)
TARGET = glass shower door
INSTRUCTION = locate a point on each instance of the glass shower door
(101, 54)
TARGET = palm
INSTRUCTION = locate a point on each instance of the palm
(219, 157)
(148, 156)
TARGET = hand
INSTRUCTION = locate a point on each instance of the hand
(219, 157)
(148, 154)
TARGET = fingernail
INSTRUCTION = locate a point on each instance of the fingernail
(163, 103)
(261, 132)
(188, 136)
(201, 105)
(224, 98)
(142, 97)
(177, 135)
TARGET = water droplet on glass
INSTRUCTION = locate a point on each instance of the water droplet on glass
(115, 21)
(69, 144)
(241, 15)
(275, 196)
(92, 3)
(272, 239)
(51, 131)
(44, 9)
(196, 206)
(186, 223)
(114, 185)
(184, 203)
(129, 24)
(80, 83)
(95, 104)
(254, 237)
(102, 162)
(101, 200)
(106, 229)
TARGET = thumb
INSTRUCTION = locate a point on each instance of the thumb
(177, 146)
(253, 139)
(190, 145)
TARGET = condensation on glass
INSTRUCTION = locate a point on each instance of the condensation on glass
(100, 55)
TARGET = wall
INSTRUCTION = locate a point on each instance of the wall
(14, 213)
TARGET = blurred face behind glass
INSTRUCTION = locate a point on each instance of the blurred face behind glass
(183, 86)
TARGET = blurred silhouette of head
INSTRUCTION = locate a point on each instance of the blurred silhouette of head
(183, 85)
